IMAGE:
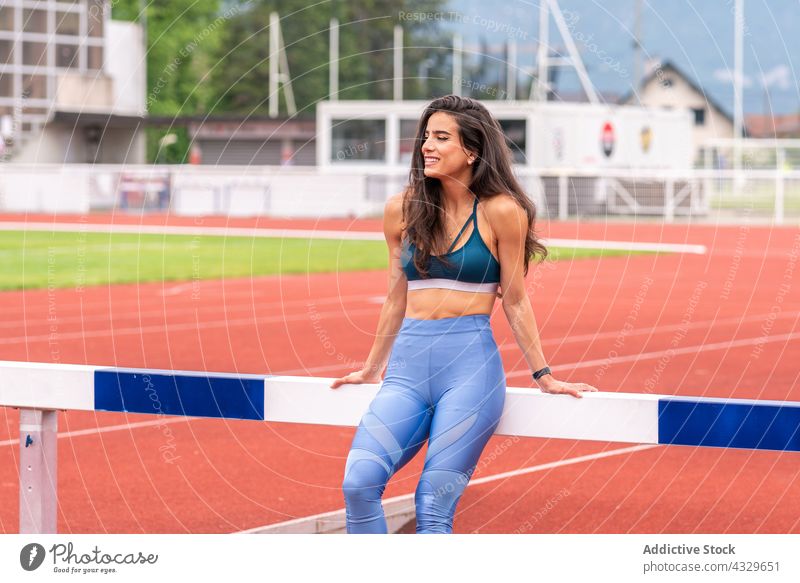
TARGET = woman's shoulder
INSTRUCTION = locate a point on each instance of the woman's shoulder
(501, 207)
(394, 206)
(393, 214)
(395, 202)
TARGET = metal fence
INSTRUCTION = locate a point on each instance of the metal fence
(770, 194)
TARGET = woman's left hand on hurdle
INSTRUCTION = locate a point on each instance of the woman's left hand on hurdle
(557, 387)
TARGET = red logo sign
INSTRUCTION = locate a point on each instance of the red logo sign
(607, 139)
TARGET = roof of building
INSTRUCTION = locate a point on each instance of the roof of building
(773, 126)
(670, 66)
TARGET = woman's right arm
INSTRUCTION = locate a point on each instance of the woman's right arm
(394, 308)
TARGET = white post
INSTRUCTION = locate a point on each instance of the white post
(274, 47)
(737, 89)
(708, 180)
(458, 49)
(38, 504)
(286, 77)
(779, 185)
(543, 52)
(392, 140)
(563, 197)
(398, 63)
(574, 54)
(669, 200)
(511, 71)
(637, 52)
(333, 60)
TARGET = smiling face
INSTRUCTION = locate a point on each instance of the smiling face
(442, 149)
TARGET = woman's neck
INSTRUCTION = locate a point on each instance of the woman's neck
(455, 196)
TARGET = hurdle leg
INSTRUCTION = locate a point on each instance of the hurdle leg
(38, 438)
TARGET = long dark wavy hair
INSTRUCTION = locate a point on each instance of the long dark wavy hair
(423, 208)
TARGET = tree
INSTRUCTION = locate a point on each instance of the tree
(211, 57)
(240, 73)
(181, 34)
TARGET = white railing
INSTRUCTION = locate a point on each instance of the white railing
(564, 193)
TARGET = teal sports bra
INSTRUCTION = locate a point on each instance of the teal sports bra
(471, 267)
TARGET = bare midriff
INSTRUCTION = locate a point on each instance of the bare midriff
(435, 304)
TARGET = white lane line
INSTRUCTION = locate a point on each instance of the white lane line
(600, 361)
(109, 429)
(174, 290)
(325, 234)
(114, 309)
(474, 482)
(671, 351)
(167, 328)
(191, 230)
(348, 314)
(626, 245)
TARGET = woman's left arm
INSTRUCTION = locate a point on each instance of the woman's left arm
(510, 224)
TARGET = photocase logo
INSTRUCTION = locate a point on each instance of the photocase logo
(31, 556)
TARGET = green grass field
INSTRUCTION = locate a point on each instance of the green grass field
(52, 260)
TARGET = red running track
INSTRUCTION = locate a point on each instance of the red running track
(723, 324)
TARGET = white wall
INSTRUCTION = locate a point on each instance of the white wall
(125, 64)
(50, 189)
(196, 190)
(558, 134)
(59, 143)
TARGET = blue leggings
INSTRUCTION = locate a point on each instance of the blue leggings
(444, 382)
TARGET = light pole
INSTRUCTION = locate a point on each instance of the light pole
(737, 88)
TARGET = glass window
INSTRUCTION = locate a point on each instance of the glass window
(358, 139)
(94, 58)
(67, 56)
(6, 52)
(514, 129)
(34, 53)
(408, 131)
(6, 85)
(34, 20)
(34, 87)
(6, 18)
(95, 16)
(68, 23)
(699, 116)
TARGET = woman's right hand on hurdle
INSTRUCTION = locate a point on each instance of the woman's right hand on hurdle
(357, 378)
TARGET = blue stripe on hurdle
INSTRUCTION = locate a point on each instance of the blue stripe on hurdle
(748, 425)
(192, 396)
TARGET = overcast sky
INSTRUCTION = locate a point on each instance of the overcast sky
(697, 35)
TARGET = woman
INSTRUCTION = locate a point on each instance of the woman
(462, 228)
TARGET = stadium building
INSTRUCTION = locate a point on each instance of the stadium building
(72, 83)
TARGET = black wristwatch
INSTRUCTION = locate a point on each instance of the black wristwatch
(541, 372)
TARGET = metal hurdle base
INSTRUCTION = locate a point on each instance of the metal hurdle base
(399, 511)
(38, 475)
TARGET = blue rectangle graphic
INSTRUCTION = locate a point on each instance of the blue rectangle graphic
(184, 395)
(739, 425)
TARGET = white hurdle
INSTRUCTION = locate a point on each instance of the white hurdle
(41, 390)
